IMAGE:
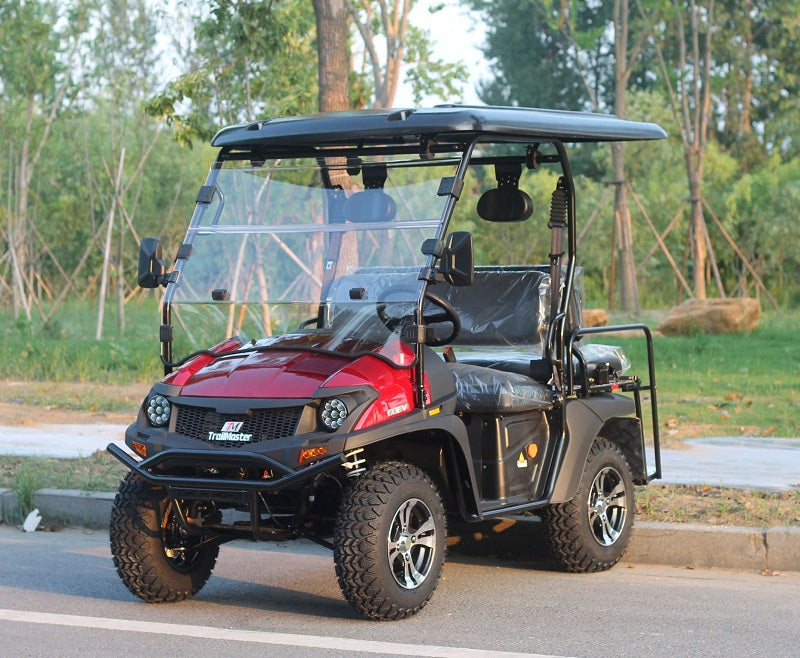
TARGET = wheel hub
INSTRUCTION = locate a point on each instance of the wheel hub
(411, 542)
(600, 505)
(607, 506)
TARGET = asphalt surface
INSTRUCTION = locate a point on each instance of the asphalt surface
(60, 596)
(762, 463)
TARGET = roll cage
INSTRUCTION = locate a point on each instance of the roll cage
(432, 135)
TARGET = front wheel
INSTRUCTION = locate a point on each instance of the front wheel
(591, 531)
(390, 541)
(155, 557)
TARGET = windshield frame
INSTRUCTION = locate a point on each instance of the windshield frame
(206, 214)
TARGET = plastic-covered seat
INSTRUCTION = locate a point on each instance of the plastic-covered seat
(533, 364)
(485, 390)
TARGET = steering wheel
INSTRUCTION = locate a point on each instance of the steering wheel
(447, 314)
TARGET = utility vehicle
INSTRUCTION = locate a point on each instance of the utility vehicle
(372, 380)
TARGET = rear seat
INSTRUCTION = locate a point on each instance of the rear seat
(500, 361)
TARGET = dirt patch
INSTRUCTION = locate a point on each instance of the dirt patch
(677, 503)
(44, 403)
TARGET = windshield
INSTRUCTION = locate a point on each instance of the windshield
(331, 249)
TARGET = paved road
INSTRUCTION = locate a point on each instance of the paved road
(60, 595)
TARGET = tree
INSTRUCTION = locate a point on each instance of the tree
(758, 79)
(688, 80)
(404, 47)
(578, 44)
(333, 54)
(124, 59)
(35, 73)
(530, 55)
(251, 59)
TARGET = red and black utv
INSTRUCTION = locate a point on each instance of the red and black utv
(373, 380)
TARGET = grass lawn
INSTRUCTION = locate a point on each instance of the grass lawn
(727, 384)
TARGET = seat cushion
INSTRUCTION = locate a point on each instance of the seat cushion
(533, 364)
(484, 390)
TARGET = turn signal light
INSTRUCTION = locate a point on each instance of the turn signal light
(532, 450)
(312, 453)
(139, 448)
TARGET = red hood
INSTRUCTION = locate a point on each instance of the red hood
(267, 374)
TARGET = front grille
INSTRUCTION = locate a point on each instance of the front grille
(261, 424)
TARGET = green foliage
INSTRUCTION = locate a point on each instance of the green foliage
(532, 67)
(252, 59)
(749, 178)
(29, 65)
(29, 478)
(65, 350)
(428, 75)
(25, 475)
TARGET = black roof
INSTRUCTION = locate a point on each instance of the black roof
(448, 123)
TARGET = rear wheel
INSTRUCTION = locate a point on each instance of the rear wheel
(591, 531)
(156, 559)
(390, 541)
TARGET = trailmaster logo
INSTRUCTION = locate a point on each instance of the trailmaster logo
(230, 432)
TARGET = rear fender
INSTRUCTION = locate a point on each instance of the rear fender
(587, 418)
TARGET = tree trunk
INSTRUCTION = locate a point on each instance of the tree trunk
(19, 246)
(333, 55)
(334, 94)
(629, 292)
(107, 248)
(691, 105)
(393, 19)
(697, 231)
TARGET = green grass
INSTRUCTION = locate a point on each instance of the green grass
(71, 396)
(678, 503)
(65, 349)
(727, 384)
(24, 475)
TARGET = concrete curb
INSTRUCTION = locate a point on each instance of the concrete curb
(61, 506)
(671, 544)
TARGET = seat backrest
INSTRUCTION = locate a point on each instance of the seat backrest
(504, 306)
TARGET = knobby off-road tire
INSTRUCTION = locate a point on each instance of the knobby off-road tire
(591, 532)
(389, 542)
(146, 546)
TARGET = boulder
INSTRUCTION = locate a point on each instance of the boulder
(595, 317)
(712, 316)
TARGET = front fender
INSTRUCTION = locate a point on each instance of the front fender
(456, 447)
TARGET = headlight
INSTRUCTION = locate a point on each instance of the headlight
(332, 414)
(158, 410)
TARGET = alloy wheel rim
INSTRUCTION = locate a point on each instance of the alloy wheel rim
(411, 544)
(607, 506)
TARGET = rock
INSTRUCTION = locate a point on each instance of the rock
(712, 316)
(595, 317)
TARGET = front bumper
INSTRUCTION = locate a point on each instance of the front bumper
(207, 487)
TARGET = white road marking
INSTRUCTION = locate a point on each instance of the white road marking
(260, 637)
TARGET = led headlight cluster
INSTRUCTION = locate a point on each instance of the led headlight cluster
(158, 410)
(332, 414)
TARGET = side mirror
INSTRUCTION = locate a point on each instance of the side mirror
(151, 266)
(457, 265)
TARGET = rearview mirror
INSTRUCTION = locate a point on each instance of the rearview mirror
(151, 266)
(457, 264)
